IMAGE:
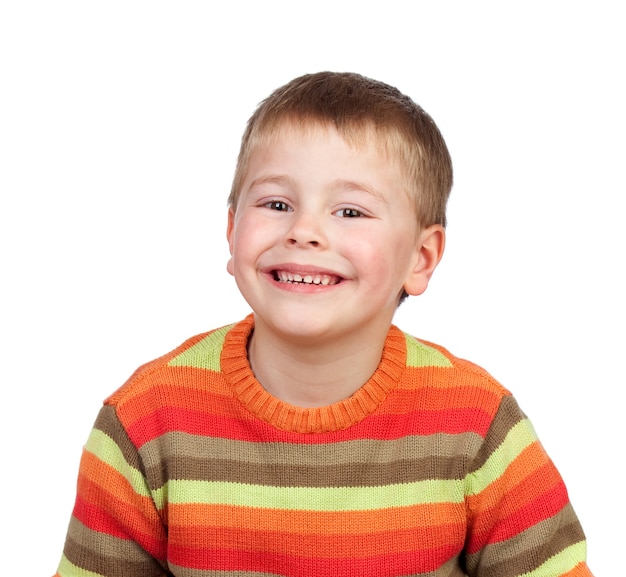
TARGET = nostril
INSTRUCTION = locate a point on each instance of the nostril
(293, 241)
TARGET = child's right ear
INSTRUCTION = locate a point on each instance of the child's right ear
(231, 240)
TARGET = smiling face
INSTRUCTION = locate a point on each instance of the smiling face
(324, 238)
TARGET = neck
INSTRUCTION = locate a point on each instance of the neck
(313, 375)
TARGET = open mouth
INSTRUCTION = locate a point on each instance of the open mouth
(313, 279)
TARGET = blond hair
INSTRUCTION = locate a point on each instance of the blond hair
(357, 107)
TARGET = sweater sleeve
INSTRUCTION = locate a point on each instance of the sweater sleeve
(115, 529)
(520, 520)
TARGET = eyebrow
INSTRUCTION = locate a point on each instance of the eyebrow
(361, 186)
(340, 183)
(279, 179)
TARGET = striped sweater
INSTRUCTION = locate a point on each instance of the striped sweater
(430, 469)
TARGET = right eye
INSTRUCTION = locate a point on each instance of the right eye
(278, 205)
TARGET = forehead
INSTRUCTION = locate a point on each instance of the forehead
(325, 145)
(362, 138)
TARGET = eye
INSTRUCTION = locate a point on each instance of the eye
(278, 205)
(349, 213)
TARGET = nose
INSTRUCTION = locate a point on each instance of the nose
(305, 231)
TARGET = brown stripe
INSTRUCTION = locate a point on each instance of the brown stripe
(107, 555)
(347, 475)
(109, 424)
(356, 463)
(363, 451)
(507, 416)
(531, 548)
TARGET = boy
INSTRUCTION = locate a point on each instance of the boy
(315, 438)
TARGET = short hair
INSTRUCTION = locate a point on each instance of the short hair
(357, 107)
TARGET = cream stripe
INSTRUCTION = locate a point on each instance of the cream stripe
(520, 436)
(103, 447)
(204, 354)
(420, 355)
(565, 561)
(312, 499)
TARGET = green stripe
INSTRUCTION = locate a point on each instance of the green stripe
(311, 498)
(420, 355)
(103, 447)
(565, 561)
(68, 569)
(204, 354)
(521, 436)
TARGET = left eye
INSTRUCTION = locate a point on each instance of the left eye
(349, 213)
(278, 205)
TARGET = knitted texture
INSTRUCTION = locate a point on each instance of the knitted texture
(430, 469)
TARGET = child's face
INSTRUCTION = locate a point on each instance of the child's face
(324, 236)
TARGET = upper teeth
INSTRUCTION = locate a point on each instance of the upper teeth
(322, 279)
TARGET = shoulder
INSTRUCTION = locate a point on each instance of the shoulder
(201, 351)
(454, 389)
(425, 355)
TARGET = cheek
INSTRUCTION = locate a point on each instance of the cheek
(243, 236)
(249, 239)
(386, 258)
(253, 229)
(369, 255)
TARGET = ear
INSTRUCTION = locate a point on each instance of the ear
(428, 252)
(230, 236)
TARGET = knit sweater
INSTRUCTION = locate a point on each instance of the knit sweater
(430, 469)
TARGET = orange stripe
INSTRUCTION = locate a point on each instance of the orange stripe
(139, 516)
(316, 522)
(320, 545)
(581, 570)
(102, 485)
(525, 474)
(166, 395)
(436, 399)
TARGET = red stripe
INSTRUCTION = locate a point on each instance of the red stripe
(311, 544)
(97, 519)
(543, 507)
(421, 561)
(100, 520)
(375, 427)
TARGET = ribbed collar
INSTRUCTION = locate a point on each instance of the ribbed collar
(335, 417)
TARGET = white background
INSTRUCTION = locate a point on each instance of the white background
(119, 128)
